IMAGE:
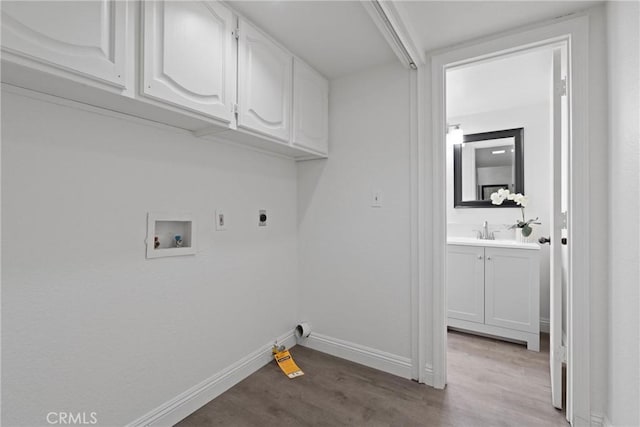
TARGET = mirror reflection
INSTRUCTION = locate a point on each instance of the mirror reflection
(487, 167)
(486, 162)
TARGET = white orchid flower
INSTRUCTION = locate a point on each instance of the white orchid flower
(496, 199)
(522, 201)
(499, 196)
(503, 193)
(518, 198)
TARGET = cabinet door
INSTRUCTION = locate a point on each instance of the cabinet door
(310, 108)
(86, 38)
(189, 56)
(512, 289)
(465, 283)
(264, 85)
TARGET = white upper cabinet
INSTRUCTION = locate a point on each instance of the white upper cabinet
(189, 56)
(264, 85)
(190, 64)
(310, 108)
(86, 38)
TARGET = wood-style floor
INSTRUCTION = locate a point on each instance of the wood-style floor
(490, 383)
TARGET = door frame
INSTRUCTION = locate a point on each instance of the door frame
(429, 318)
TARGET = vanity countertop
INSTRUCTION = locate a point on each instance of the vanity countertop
(470, 241)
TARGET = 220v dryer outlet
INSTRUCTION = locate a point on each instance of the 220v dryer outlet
(262, 218)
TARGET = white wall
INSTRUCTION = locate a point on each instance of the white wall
(536, 121)
(355, 259)
(623, 24)
(598, 169)
(88, 323)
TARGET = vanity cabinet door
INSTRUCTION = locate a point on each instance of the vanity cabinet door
(84, 38)
(310, 108)
(189, 56)
(264, 85)
(512, 289)
(465, 283)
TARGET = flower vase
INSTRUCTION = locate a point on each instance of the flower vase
(521, 238)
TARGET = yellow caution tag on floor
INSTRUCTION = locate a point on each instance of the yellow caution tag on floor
(286, 363)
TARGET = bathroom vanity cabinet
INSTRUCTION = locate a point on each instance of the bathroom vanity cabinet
(493, 288)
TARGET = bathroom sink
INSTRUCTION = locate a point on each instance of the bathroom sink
(472, 241)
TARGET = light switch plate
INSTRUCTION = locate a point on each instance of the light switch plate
(221, 220)
(376, 199)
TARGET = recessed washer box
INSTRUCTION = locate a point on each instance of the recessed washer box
(170, 234)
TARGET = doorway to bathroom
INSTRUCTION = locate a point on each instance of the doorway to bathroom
(567, 40)
(500, 190)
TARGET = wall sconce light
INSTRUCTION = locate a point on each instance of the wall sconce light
(455, 134)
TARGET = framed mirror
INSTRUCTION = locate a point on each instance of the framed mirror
(486, 162)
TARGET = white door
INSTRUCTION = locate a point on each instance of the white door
(189, 56)
(465, 283)
(511, 286)
(310, 108)
(264, 84)
(556, 268)
(86, 38)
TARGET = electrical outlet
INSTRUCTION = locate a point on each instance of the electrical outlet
(262, 218)
(221, 220)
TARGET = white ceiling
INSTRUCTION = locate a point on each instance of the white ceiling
(511, 82)
(334, 37)
(339, 37)
(438, 24)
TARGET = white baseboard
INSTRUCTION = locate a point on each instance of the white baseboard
(428, 376)
(169, 413)
(544, 325)
(598, 420)
(383, 361)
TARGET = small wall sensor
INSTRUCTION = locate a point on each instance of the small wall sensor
(221, 221)
(262, 218)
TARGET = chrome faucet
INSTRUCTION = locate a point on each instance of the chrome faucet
(485, 234)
